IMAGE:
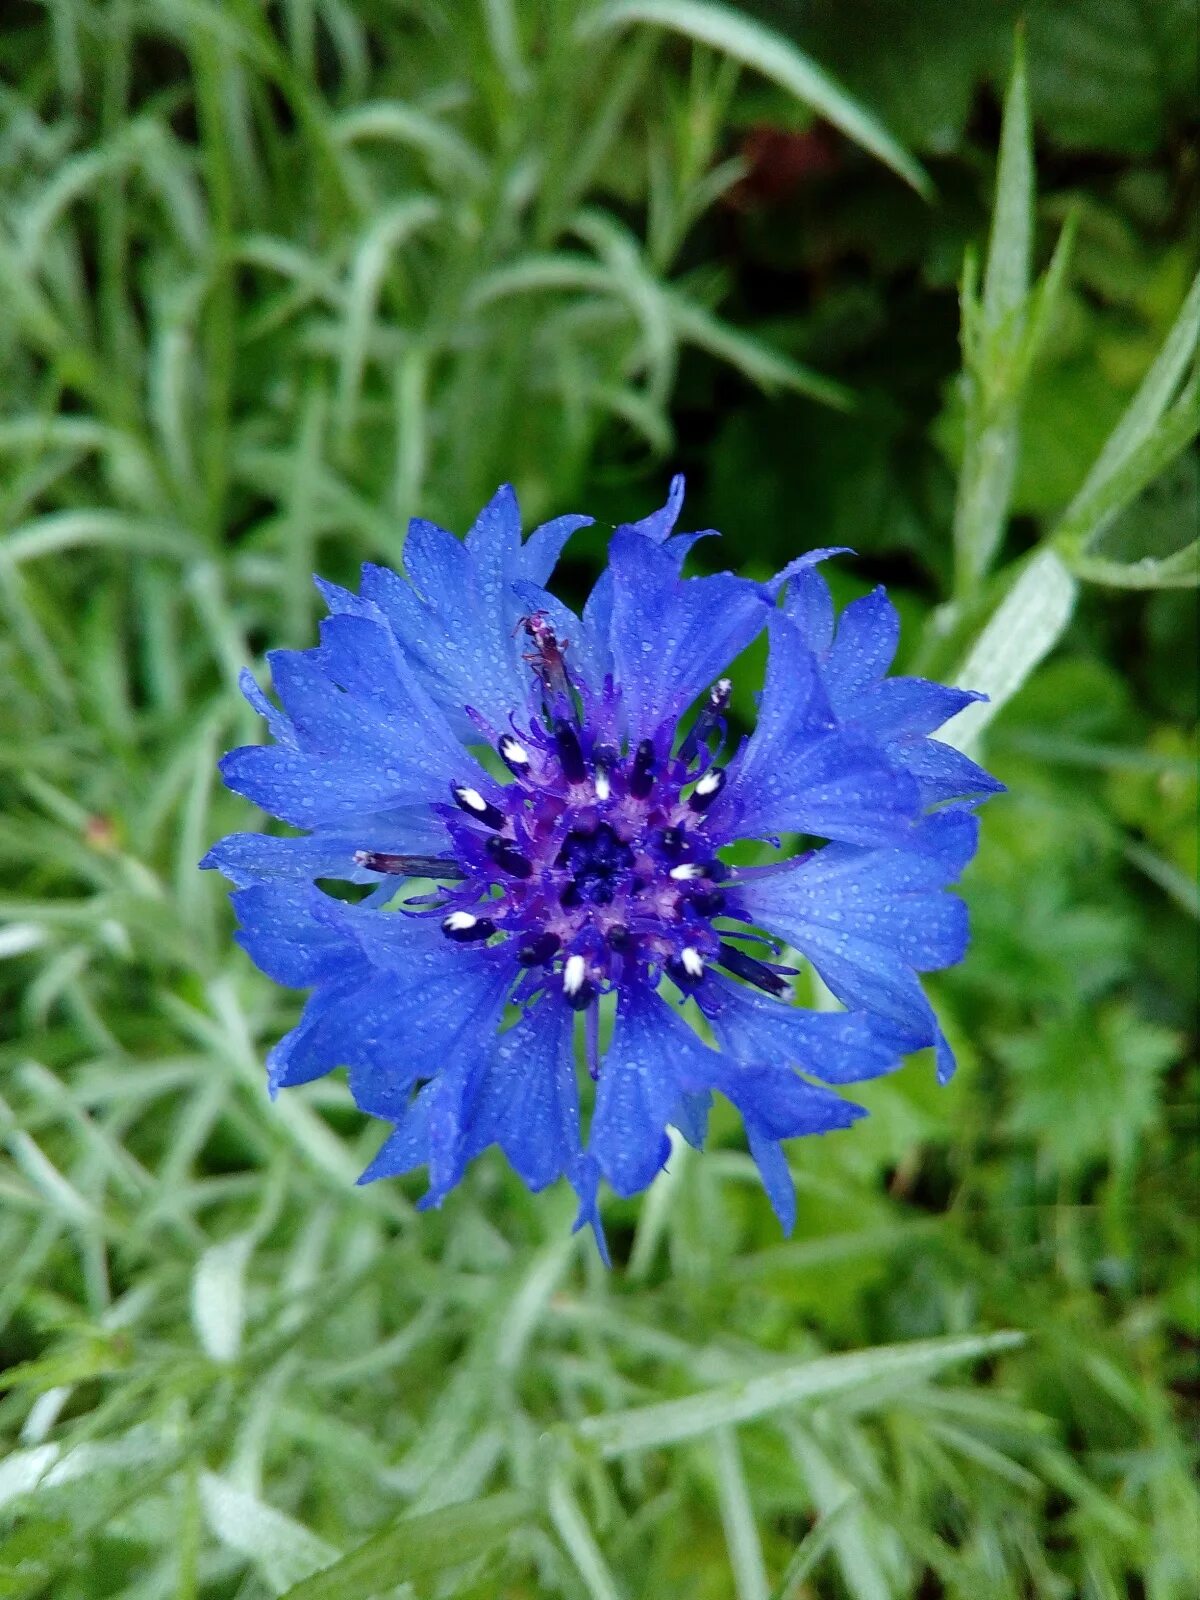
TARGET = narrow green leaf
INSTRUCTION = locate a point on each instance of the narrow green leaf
(415, 1547)
(737, 1519)
(1095, 508)
(1021, 632)
(1180, 570)
(218, 1297)
(1152, 398)
(812, 1550)
(283, 1550)
(767, 367)
(571, 1526)
(765, 51)
(996, 347)
(1010, 243)
(650, 1427)
(387, 233)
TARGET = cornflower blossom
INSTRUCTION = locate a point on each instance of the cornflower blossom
(538, 806)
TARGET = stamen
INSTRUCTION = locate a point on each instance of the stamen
(473, 803)
(618, 936)
(709, 902)
(514, 754)
(693, 962)
(508, 857)
(707, 789)
(755, 972)
(642, 778)
(540, 950)
(674, 841)
(408, 866)
(569, 753)
(574, 973)
(687, 871)
(708, 721)
(578, 989)
(603, 786)
(464, 927)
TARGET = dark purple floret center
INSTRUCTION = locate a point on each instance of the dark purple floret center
(599, 863)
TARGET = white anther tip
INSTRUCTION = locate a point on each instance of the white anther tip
(692, 961)
(514, 752)
(459, 922)
(686, 871)
(574, 972)
(471, 798)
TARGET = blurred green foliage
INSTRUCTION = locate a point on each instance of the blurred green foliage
(273, 277)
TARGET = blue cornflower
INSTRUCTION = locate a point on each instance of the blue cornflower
(564, 782)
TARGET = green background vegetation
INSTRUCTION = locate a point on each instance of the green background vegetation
(273, 277)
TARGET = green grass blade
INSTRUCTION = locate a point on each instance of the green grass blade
(737, 1519)
(650, 1427)
(417, 1547)
(757, 47)
(571, 1526)
(1019, 635)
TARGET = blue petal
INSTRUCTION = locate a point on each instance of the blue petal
(283, 937)
(835, 1046)
(660, 524)
(867, 918)
(457, 616)
(639, 1090)
(405, 1148)
(776, 1176)
(585, 1180)
(868, 633)
(671, 637)
(907, 708)
(808, 600)
(794, 776)
(944, 773)
(401, 730)
(779, 1103)
(280, 726)
(540, 552)
(527, 1100)
(307, 791)
(307, 1052)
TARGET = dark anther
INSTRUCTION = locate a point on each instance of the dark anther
(755, 972)
(604, 759)
(514, 755)
(618, 936)
(708, 721)
(707, 789)
(540, 950)
(642, 779)
(580, 999)
(674, 843)
(473, 803)
(570, 895)
(709, 902)
(408, 866)
(508, 857)
(567, 742)
(465, 927)
(685, 974)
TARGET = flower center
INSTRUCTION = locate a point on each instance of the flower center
(598, 863)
